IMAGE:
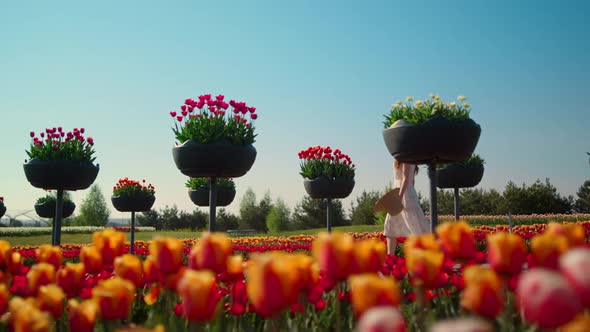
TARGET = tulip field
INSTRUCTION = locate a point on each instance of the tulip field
(462, 278)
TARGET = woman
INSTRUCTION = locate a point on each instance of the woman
(411, 221)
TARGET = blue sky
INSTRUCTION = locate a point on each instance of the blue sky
(319, 73)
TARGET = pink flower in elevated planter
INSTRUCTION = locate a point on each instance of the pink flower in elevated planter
(55, 144)
(208, 120)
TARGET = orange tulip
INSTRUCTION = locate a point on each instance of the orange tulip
(109, 244)
(3, 299)
(40, 274)
(369, 290)
(425, 241)
(457, 239)
(14, 261)
(114, 297)
(483, 293)
(51, 300)
(235, 266)
(26, 317)
(70, 276)
(167, 253)
(5, 278)
(333, 252)
(5, 253)
(211, 252)
(129, 267)
(507, 252)
(92, 259)
(425, 267)
(575, 234)
(170, 281)
(305, 273)
(368, 256)
(152, 295)
(272, 283)
(50, 254)
(82, 316)
(150, 270)
(580, 324)
(198, 292)
(546, 249)
(133, 328)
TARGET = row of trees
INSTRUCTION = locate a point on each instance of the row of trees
(539, 197)
(271, 215)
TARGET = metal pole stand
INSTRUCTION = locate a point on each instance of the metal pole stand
(433, 207)
(56, 227)
(456, 204)
(329, 215)
(132, 234)
(212, 203)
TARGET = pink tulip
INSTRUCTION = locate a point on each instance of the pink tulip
(575, 267)
(470, 324)
(382, 319)
(545, 298)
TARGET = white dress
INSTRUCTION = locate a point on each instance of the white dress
(411, 221)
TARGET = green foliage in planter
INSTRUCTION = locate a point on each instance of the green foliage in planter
(52, 199)
(474, 161)
(196, 183)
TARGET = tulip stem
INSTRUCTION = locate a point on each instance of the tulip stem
(195, 327)
(506, 322)
(420, 301)
(271, 325)
(109, 325)
(338, 307)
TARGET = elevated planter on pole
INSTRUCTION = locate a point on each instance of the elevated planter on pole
(60, 175)
(138, 202)
(447, 136)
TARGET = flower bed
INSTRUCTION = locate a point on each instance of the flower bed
(524, 219)
(34, 231)
(207, 285)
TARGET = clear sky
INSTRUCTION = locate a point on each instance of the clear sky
(318, 72)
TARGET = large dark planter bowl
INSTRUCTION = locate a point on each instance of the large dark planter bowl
(136, 203)
(201, 196)
(436, 140)
(2, 211)
(47, 209)
(329, 188)
(60, 174)
(459, 176)
(213, 160)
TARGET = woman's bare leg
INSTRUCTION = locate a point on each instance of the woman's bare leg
(391, 245)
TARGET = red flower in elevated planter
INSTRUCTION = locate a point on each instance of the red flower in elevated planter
(324, 162)
(132, 187)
